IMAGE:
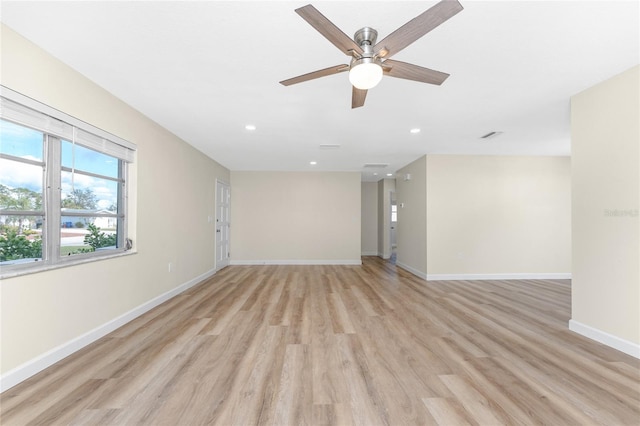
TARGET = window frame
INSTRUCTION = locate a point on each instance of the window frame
(94, 139)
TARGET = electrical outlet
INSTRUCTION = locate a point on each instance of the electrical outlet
(170, 267)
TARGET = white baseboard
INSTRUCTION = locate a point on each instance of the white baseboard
(467, 277)
(369, 253)
(414, 271)
(298, 262)
(524, 276)
(605, 338)
(34, 366)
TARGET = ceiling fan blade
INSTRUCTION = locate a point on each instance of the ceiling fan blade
(413, 72)
(357, 97)
(315, 74)
(328, 29)
(416, 28)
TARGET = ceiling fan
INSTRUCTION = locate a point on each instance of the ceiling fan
(370, 60)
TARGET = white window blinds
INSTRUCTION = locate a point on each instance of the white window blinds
(27, 112)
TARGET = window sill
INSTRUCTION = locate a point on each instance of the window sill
(37, 269)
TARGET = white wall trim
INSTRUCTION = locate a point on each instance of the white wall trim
(298, 262)
(39, 363)
(605, 338)
(369, 253)
(518, 276)
(412, 270)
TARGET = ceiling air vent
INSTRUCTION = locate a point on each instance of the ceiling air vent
(329, 146)
(491, 135)
(375, 165)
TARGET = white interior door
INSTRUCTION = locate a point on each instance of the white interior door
(223, 203)
(394, 224)
(394, 220)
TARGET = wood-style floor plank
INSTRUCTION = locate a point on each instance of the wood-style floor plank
(340, 345)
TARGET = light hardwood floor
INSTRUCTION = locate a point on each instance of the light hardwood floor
(369, 345)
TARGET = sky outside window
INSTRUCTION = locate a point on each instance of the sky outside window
(20, 141)
(88, 160)
(25, 143)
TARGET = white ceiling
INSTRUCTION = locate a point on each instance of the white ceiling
(205, 69)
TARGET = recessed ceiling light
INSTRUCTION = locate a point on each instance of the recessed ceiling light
(389, 174)
(415, 130)
(250, 127)
(375, 174)
(313, 163)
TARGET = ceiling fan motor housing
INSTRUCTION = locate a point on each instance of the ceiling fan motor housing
(365, 37)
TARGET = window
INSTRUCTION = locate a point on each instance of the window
(394, 213)
(21, 193)
(63, 189)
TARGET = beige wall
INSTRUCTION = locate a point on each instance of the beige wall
(485, 217)
(411, 196)
(295, 217)
(369, 226)
(498, 215)
(385, 186)
(174, 194)
(605, 131)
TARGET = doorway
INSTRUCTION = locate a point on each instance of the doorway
(223, 204)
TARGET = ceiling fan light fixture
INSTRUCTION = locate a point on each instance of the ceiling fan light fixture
(365, 73)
